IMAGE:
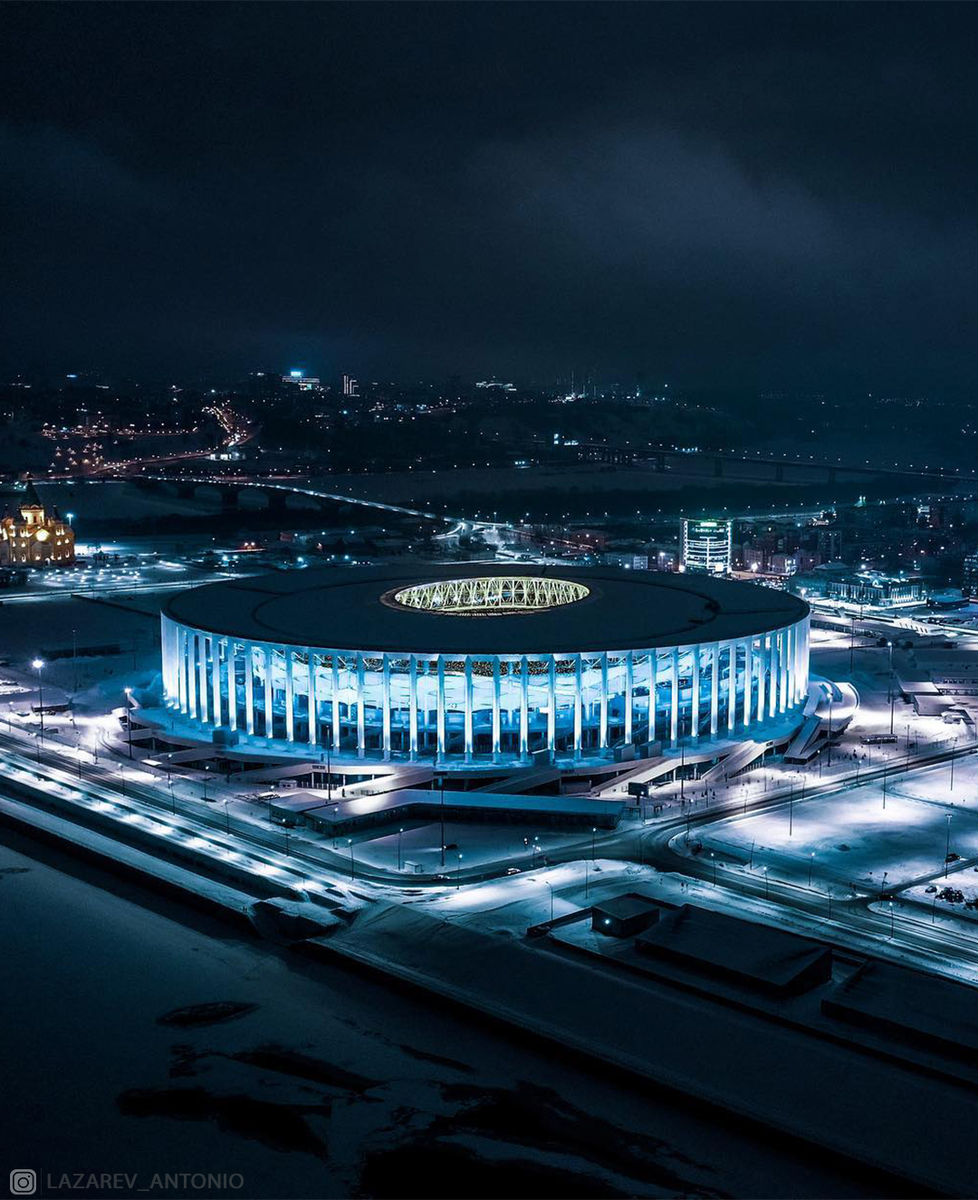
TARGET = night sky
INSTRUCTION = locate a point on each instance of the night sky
(743, 196)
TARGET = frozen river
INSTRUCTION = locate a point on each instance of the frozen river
(142, 1038)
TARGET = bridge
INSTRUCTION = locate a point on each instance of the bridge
(736, 465)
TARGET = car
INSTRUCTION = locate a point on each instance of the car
(513, 871)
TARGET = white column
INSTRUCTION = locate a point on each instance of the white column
(695, 723)
(468, 708)
(413, 707)
(715, 690)
(732, 685)
(386, 714)
(289, 697)
(761, 712)
(496, 714)
(524, 707)
(202, 704)
(184, 674)
(361, 720)
(250, 689)
(629, 688)
(603, 743)
(674, 707)
(192, 674)
(231, 670)
(551, 704)
(313, 699)
(269, 716)
(217, 711)
(748, 677)
(653, 694)
(441, 707)
(578, 702)
(334, 685)
(772, 702)
(783, 685)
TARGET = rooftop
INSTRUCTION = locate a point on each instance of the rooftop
(351, 609)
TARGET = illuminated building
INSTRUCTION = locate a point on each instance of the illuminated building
(707, 546)
(30, 537)
(970, 586)
(483, 664)
(350, 386)
(298, 379)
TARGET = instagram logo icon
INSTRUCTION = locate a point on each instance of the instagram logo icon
(23, 1182)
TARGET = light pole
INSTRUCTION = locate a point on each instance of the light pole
(551, 886)
(38, 665)
(947, 845)
(129, 717)
(586, 880)
(811, 864)
(349, 842)
(227, 819)
(892, 689)
(767, 887)
(952, 770)
(713, 859)
(594, 830)
(399, 832)
(441, 784)
(458, 874)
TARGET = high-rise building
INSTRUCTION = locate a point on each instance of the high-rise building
(350, 386)
(707, 545)
(302, 381)
(970, 584)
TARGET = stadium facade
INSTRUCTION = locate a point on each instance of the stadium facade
(483, 663)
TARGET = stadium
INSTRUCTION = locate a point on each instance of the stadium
(482, 663)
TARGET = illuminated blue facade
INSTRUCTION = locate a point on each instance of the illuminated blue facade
(478, 707)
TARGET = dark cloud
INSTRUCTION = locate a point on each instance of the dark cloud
(726, 195)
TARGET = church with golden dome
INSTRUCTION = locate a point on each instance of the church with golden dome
(32, 536)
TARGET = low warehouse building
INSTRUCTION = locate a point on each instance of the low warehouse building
(756, 956)
(624, 916)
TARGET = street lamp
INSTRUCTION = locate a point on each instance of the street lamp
(458, 874)
(811, 863)
(38, 665)
(947, 844)
(399, 832)
(891, 688)
(594, 830)
(129, 717)
(349, 842)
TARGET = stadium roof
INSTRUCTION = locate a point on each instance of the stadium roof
(349, 609)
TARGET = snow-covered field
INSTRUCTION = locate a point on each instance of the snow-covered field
(853, 837)
(309, 1081)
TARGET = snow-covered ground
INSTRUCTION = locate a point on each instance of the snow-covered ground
(852, 836)
(310, 1081)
